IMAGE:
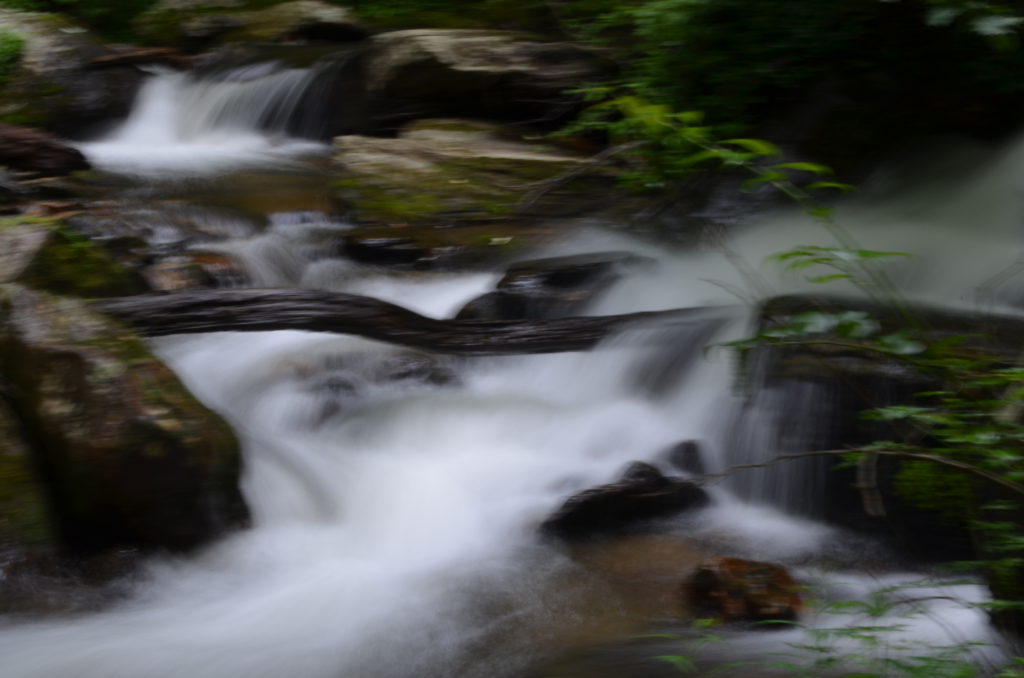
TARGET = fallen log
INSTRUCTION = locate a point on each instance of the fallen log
(255, 310)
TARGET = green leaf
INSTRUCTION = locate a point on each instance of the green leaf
(805, 167)
(830, 278)
(831, 184)
(756, 182)
(757, 146)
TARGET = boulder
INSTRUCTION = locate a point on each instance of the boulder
(28, 148)
(129, 458)
(440, 171)
(47, 255)
(502, 75)
(52, 85)
(550, 287)
(641, 494)
(25, 521)
(200, 25)
(737, 590)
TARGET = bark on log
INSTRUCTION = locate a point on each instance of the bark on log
(255, 310)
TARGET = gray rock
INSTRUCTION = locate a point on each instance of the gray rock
(53, 84)
(129, 457)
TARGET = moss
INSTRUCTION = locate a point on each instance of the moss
(70, 264)
(24, 514)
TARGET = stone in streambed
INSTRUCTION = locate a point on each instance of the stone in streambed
(550, 287)
(738, 590)
(127, 456)
(642, 494)
(28, 148)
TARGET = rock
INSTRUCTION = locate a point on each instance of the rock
(474, 73)
(686, 456)
(641, 494)
(737, 590)
(423, 247)
(129, 457)
(25, 522)
(551, 287)
(27, 148)
(47, 255)
(52, 84)
(201, 25)
(458, 171)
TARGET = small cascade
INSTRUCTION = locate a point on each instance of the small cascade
(229, 117)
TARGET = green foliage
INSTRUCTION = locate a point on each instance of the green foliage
(11, 46)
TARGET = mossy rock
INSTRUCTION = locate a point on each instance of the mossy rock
(51, 84)
(129, 457)
(462, 170)
(47, 255)
(25, 521)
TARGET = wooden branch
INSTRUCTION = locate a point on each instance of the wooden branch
(253, 310)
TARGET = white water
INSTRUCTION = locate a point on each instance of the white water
(395, 520)
(182, 127)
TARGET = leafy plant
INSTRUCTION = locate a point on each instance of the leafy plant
(11, 47)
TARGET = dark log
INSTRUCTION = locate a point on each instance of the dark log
(256, 310)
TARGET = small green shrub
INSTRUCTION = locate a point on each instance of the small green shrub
(11, 46)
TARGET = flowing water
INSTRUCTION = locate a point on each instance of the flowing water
(395, 518)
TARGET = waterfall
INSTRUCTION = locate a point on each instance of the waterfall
(396, 509)
(254, 115)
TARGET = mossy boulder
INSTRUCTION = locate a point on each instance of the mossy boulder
(202, 24)
(461, 170)
(128, 456)
(25, 521)
(51, 83)
(46, 254)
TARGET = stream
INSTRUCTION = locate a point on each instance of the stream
(395, 519)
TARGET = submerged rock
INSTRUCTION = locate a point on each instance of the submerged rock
(462, 170)
(128, 457)
(737, 590)
(641, 494)
(551, 287)
(52, 84)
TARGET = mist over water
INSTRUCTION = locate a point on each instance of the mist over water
(395, 519)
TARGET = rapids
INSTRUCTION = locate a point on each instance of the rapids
(395, 520)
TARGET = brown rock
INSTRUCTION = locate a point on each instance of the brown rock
(737, 590)
(28, 148)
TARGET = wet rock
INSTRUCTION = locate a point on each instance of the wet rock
(200, 25)
(27, 148)
(457, 171)
(686, 456)
(47, 255)
(737, 590)
(643, 493)
(474, 73)
(52, 85)
(422, 247)
(551, 287)
(128, 456)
